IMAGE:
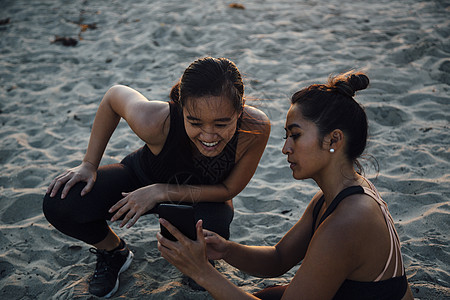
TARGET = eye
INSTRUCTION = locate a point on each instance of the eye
(195, 124)
(293, 136)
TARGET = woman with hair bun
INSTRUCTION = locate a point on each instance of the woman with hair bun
(345, 240)
(201, 149)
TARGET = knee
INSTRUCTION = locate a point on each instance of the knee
(51, 209)
(56, 210)
(216, 217)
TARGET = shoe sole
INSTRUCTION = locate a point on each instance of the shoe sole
(123, 269)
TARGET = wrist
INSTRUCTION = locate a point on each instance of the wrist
(159, 192)
(205, 276)
(92, 165)
(228, 250)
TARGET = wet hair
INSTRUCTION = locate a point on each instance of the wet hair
(331, 106)
(210, 76)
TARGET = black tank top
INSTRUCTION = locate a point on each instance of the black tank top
(389, 289)
(177, 163)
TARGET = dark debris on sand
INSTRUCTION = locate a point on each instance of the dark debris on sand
(5, 21)
(65, 41)
(237, 6)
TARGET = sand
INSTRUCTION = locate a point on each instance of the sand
(49, 93)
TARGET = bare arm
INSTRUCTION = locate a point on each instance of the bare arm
(119, 101)
(220, 287)
(328, 260)
(252, 142)
(250, 149)
(272, 261)
(190, 258)
(338, 250)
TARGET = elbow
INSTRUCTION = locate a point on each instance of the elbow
(113, 92)
(229, 193)
(110, 101)
(273, 265)
(280, 266)
(116, 87)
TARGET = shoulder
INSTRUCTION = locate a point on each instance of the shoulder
(358, 208)
(255, 113)
(255, 121)
(254, 132)
(354, 224)
(354, 215)
(154, 119)
(251, 113)
(150, 114)
(334, 252)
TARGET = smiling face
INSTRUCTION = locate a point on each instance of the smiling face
(210, 123)
(305, 154)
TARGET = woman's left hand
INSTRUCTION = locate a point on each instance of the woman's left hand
(135, 204)
(187, 255)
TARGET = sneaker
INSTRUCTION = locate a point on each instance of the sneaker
(105, 281)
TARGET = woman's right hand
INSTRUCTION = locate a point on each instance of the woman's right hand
(216, 246)
(86, 172)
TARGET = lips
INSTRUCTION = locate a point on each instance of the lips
(212, 144)
(291, 164)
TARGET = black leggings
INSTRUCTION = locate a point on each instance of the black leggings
(84, 218)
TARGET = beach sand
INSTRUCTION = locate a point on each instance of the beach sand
(49, 94)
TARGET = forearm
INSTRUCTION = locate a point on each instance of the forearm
(221, 288)
(105, 123)
(260, 261)
(196, 193)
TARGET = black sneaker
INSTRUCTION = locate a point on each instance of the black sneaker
(105, 281)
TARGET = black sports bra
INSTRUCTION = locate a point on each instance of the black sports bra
(389, 289)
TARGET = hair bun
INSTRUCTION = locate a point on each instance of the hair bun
(348, 83)
(358, 81)
(344, 88)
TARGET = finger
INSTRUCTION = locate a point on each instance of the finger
(168, 249)
(163, 249)
(119, 213)
(59, 182)
(207, 232)
(173, 230)
(209, 235)
(69, 184)
(118, 205)
(133, 220)
(164, 242)
(50, 186)
(88, 187)
(127, 217)
(199, 227)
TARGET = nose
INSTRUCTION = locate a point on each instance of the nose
(208, 134)
(286, 148)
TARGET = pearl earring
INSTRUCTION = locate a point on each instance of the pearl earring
(331, 150)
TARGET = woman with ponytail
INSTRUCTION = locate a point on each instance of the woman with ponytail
(201, 148)
(345, 241)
